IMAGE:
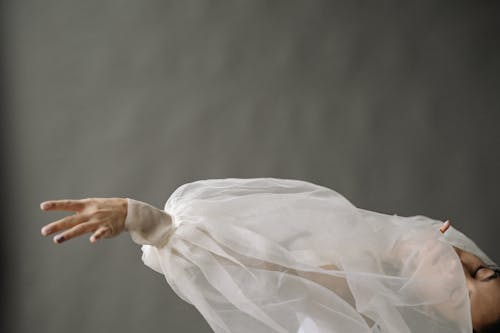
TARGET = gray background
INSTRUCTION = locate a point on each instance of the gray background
(393, 104)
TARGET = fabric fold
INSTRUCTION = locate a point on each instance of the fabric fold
(277, 255)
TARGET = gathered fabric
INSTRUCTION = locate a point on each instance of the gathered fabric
(278, 255)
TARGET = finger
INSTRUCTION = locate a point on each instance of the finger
(100, 233)
(65, 223)
(445, 226)
(71, 205)
(77, 230)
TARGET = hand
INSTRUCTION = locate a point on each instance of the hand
(103, 217)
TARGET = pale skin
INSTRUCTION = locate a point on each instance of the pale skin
(105, 218)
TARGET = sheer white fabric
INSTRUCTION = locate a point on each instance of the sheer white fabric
(275, 255)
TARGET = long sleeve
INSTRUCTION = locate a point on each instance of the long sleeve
(276, 255)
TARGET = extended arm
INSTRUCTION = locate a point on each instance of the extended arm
(108, 217)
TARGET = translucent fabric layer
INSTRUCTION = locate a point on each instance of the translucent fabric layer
(274, 255)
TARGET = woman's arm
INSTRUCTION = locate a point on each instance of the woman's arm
(108, 217)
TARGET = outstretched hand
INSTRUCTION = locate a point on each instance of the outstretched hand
(103, 217)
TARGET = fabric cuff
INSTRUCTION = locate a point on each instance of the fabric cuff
(147, 225)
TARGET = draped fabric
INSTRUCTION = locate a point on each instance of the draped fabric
(276, 255)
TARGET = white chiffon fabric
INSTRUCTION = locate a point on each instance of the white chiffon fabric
(276, 255)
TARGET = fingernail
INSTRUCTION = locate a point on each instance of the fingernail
(45, 231)
(92, 239)
(44, 205)
(59, 239)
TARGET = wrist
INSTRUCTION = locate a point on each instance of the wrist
(123, 208)
(147, 224)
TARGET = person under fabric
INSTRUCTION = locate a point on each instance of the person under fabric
(279, 255)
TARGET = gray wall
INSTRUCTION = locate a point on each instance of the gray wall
(394, 105)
